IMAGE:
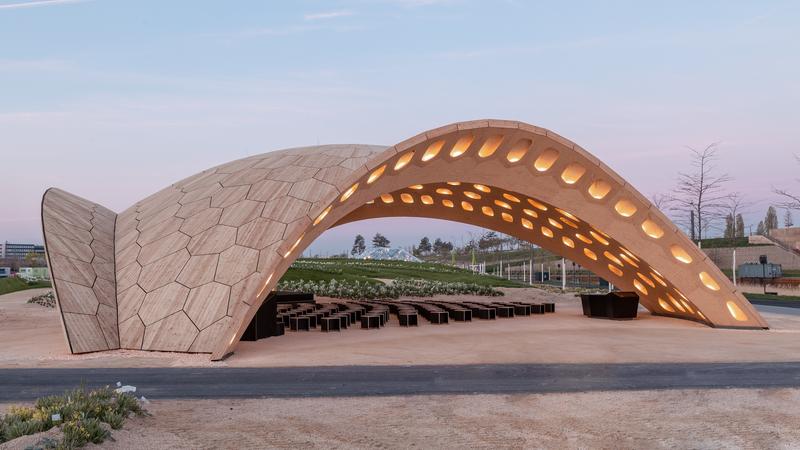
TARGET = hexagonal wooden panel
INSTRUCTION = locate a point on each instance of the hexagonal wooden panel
(192, 262)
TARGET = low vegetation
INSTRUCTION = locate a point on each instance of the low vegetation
(47, 300)
(399, 288)
(14, 284)
(370, 272)
(83, 416)
(771, 297)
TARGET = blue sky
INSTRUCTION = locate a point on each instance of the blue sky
(113, 100)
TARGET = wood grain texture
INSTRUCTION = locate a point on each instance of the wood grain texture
(79, 238)
(194, 260)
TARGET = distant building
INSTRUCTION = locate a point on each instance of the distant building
(5, 272)
(34, 273)
(20, 251)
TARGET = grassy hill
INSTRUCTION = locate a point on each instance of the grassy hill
(8, 285)
(372, 271)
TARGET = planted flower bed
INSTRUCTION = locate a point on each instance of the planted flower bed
(367, 291)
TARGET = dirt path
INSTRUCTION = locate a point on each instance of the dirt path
(32, 337)
(647, 419)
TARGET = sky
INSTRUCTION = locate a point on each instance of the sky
(113, 100)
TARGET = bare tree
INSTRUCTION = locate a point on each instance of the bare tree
(700, 192)
(790, 200)
(660, 201)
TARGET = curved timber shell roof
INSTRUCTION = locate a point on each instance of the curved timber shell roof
(188, 267)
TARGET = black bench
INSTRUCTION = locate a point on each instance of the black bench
(299, 323)
(503, 311)
(614, 305)
(331, 324)
(408, 319)
(371, 321)
(537, 308)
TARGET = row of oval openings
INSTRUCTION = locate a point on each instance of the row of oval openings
(572, 173)
(677, 251)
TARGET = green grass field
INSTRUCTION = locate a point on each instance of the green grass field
(780, 298)
(370, 271)
(8, 285)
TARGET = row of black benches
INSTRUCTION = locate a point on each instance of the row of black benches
(332, 316)
(374, 314)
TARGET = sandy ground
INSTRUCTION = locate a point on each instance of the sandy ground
(646, 419)
(32, 337)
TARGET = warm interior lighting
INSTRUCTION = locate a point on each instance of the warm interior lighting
(482, 188)
(426, 200)
(519, 150)
(625, 208)
(387, 198)
(294, 246)
(590, 254)
(565, 213)
(628, 252)
(652, 229)
(665, 306)
(639, 286)
(547, 232)
(546, 160)
(490, 146)
(598, 237)
(461, 146)
(403, 160)
(433, 150)
(646, 280)
(376, 174)
(487, 211)
(472, 195)
(526, 223)
(708, 281)
(568, 242)
(406, 198)
(530, 213)
(454, 183)
(416, 186)
(507, 217)
(599, 189)
(686, 305)
(583, 238)
(537, 205)
(569, 222)
(610, 256)
(444, 191)
(573, 173)
(675, 303)
(348, 192)
(658, 279)
(614, 269)
(680, 254)
(554, 223)
(322, 215)
(448, 203)
(466, 206)
(510, 197)
(628, 260)
(502, 204)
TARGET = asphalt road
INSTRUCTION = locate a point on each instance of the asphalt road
(221, 382)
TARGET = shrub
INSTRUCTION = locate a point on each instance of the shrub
(84, 415)
(78, 433)
(366, 291)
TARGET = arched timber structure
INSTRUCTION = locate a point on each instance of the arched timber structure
(186, 268)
